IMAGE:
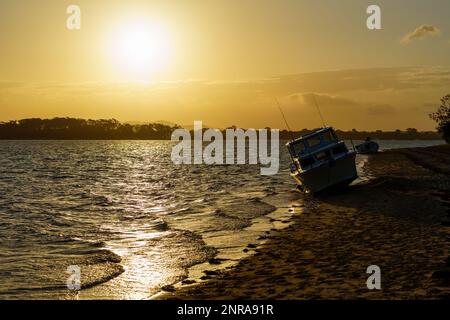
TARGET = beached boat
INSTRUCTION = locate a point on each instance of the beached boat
(368, 147)
(321, 161)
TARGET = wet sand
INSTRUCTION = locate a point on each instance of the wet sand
(399, 220)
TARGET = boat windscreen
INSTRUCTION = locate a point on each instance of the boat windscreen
(314, 141)
(297, 148)
(328, 137)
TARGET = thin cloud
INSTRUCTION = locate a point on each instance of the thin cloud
(380, 109)
(9, 84)
(421, 32)
(321, 99)
(344, 104)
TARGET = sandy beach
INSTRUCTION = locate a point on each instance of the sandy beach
(399, 220)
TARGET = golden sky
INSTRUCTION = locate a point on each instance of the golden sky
(223, 62)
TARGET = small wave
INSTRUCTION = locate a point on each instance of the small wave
(47, 273)
(102, 256)
(161, 226)
(239, 215)
(249, 209)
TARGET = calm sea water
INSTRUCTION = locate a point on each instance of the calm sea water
(130, 219)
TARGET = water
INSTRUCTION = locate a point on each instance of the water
(130, 219)
(395, 144)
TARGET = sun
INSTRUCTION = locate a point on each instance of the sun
(141, 48)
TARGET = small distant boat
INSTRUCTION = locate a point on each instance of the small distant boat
(368, 147)
(321, 161)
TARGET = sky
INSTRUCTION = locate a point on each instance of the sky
(224, 62)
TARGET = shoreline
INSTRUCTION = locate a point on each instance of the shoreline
(399, 221)
(254, 236)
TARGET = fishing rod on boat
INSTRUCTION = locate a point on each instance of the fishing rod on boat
(330, 160)
(284, 118)
(318, 110)
(290, 131)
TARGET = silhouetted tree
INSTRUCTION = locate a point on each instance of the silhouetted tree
(442, 117)
(70, 128)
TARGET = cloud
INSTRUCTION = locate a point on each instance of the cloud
(341, 103)
(321, 99)
(380, 109)
(421, 32)
(9, 84)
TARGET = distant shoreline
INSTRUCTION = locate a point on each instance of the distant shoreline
(111, 129)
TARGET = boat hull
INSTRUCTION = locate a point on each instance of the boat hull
(368, 147)
(335, 173)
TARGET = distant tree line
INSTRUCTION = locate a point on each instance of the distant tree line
(110, 129)
(71, 129)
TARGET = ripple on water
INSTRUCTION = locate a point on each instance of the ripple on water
(65, 202)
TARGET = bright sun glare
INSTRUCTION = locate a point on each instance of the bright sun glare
(141, 48)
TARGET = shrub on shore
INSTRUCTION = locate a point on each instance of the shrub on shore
(442, 117)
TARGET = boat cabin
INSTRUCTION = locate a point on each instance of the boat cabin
(319, 146)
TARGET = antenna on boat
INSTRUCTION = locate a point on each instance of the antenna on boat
(290, 131)
(318, 110)
(284, 118)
